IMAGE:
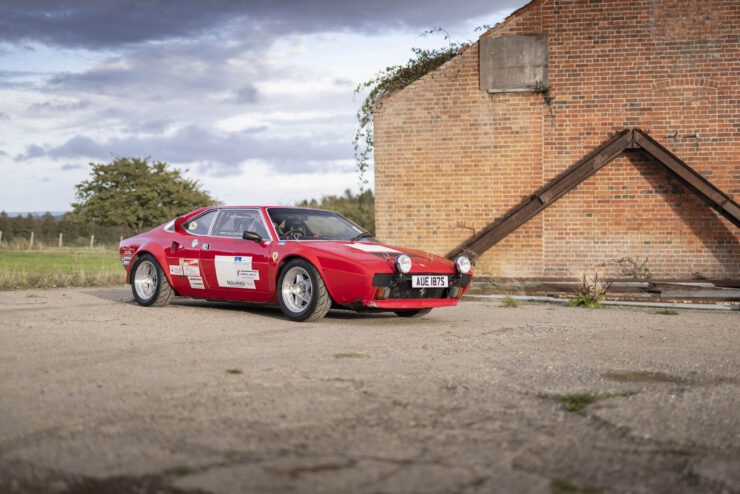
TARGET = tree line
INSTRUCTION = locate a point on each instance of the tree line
(46, 229)
(132, 195)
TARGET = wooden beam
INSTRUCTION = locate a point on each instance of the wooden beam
(695, 181)
(557, 188)
(634, 139)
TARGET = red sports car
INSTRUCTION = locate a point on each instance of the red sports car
(305, 260)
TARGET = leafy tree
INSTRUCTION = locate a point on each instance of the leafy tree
(359, 208)
(6, 225)
(46, 226)
(134, 193)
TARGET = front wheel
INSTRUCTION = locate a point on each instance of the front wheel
(302, 293)
(413, 312)
(149, 283)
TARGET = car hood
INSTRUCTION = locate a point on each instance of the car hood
(366, 252)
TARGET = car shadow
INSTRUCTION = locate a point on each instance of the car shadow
(272, 311)
(123, 295)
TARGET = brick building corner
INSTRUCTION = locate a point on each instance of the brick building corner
(451, 157)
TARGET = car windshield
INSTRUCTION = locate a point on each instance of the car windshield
(313, 224)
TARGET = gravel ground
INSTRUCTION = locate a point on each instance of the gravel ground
(98, 394)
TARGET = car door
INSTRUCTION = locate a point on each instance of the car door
(183, 255)
(235, 268)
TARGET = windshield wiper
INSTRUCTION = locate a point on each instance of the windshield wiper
(361, 235)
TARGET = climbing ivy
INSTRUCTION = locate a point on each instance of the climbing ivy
(387, 82)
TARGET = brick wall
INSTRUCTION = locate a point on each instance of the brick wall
(450, 158)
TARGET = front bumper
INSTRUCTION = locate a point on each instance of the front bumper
(394, 291)
(410, 303)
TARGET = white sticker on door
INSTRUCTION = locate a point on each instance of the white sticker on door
(235, 272)
(196, 282)
(177, 269)
(190, 267)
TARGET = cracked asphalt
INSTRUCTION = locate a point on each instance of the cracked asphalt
(98, 394)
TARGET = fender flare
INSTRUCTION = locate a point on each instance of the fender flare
(308, 256)
(157, 251)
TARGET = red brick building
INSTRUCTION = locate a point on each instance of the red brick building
(463, 145)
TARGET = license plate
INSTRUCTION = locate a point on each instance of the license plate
(428, 281)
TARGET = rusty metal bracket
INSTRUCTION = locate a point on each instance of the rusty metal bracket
(627, 139)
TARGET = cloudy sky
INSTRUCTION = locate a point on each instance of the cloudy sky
(253, 97)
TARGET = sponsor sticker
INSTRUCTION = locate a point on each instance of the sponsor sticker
(282, 242)
(196, 282)
(274, 257)
(235, 272)
(176, 270)
(193, 225)
(190, 267)
(194, 243)
(248, 274)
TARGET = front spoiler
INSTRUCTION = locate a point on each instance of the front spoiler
(410, 303)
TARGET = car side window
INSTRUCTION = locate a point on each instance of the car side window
(201, 224)
(234, 222)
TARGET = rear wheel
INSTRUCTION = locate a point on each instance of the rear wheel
(302, 293)
(413, 312)
(149, 283)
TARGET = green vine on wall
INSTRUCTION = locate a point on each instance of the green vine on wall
(387, 82)
(543, 88)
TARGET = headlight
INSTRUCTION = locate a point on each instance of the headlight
(403, 263)
(462, 264)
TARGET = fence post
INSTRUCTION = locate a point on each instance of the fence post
(120, 241)
(30, 242)
(92, 240)
(1, 236)
(60, 240)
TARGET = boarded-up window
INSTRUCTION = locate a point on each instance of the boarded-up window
(513, 63)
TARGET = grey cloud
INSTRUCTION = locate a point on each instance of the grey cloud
(155, 126)
(220, 150)
(70, 166)
(3, 153)
(4, 116)
(95, 25)
(32, 151)
(246, 95)
(79, 146)
(178, 69)
(48, 106)
(343, 82)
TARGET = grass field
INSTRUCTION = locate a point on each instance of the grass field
(59, 267)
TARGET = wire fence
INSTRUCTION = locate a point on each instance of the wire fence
(35, 240)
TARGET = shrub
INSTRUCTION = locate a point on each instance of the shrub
(591, 293)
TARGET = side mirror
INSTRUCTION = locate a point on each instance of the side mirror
(254, 237)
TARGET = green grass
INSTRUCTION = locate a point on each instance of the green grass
(179, 471)
(579, 401)
(510, 302)
(350, 355)
(645, 377)
(667, 312)
(563, 486)
(59, 268)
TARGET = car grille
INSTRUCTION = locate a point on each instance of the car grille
(398, 286)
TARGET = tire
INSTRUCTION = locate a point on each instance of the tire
(413, 312)
(302, 293)
(149, 284)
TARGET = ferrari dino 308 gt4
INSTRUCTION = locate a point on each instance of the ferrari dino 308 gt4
(305, 260)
